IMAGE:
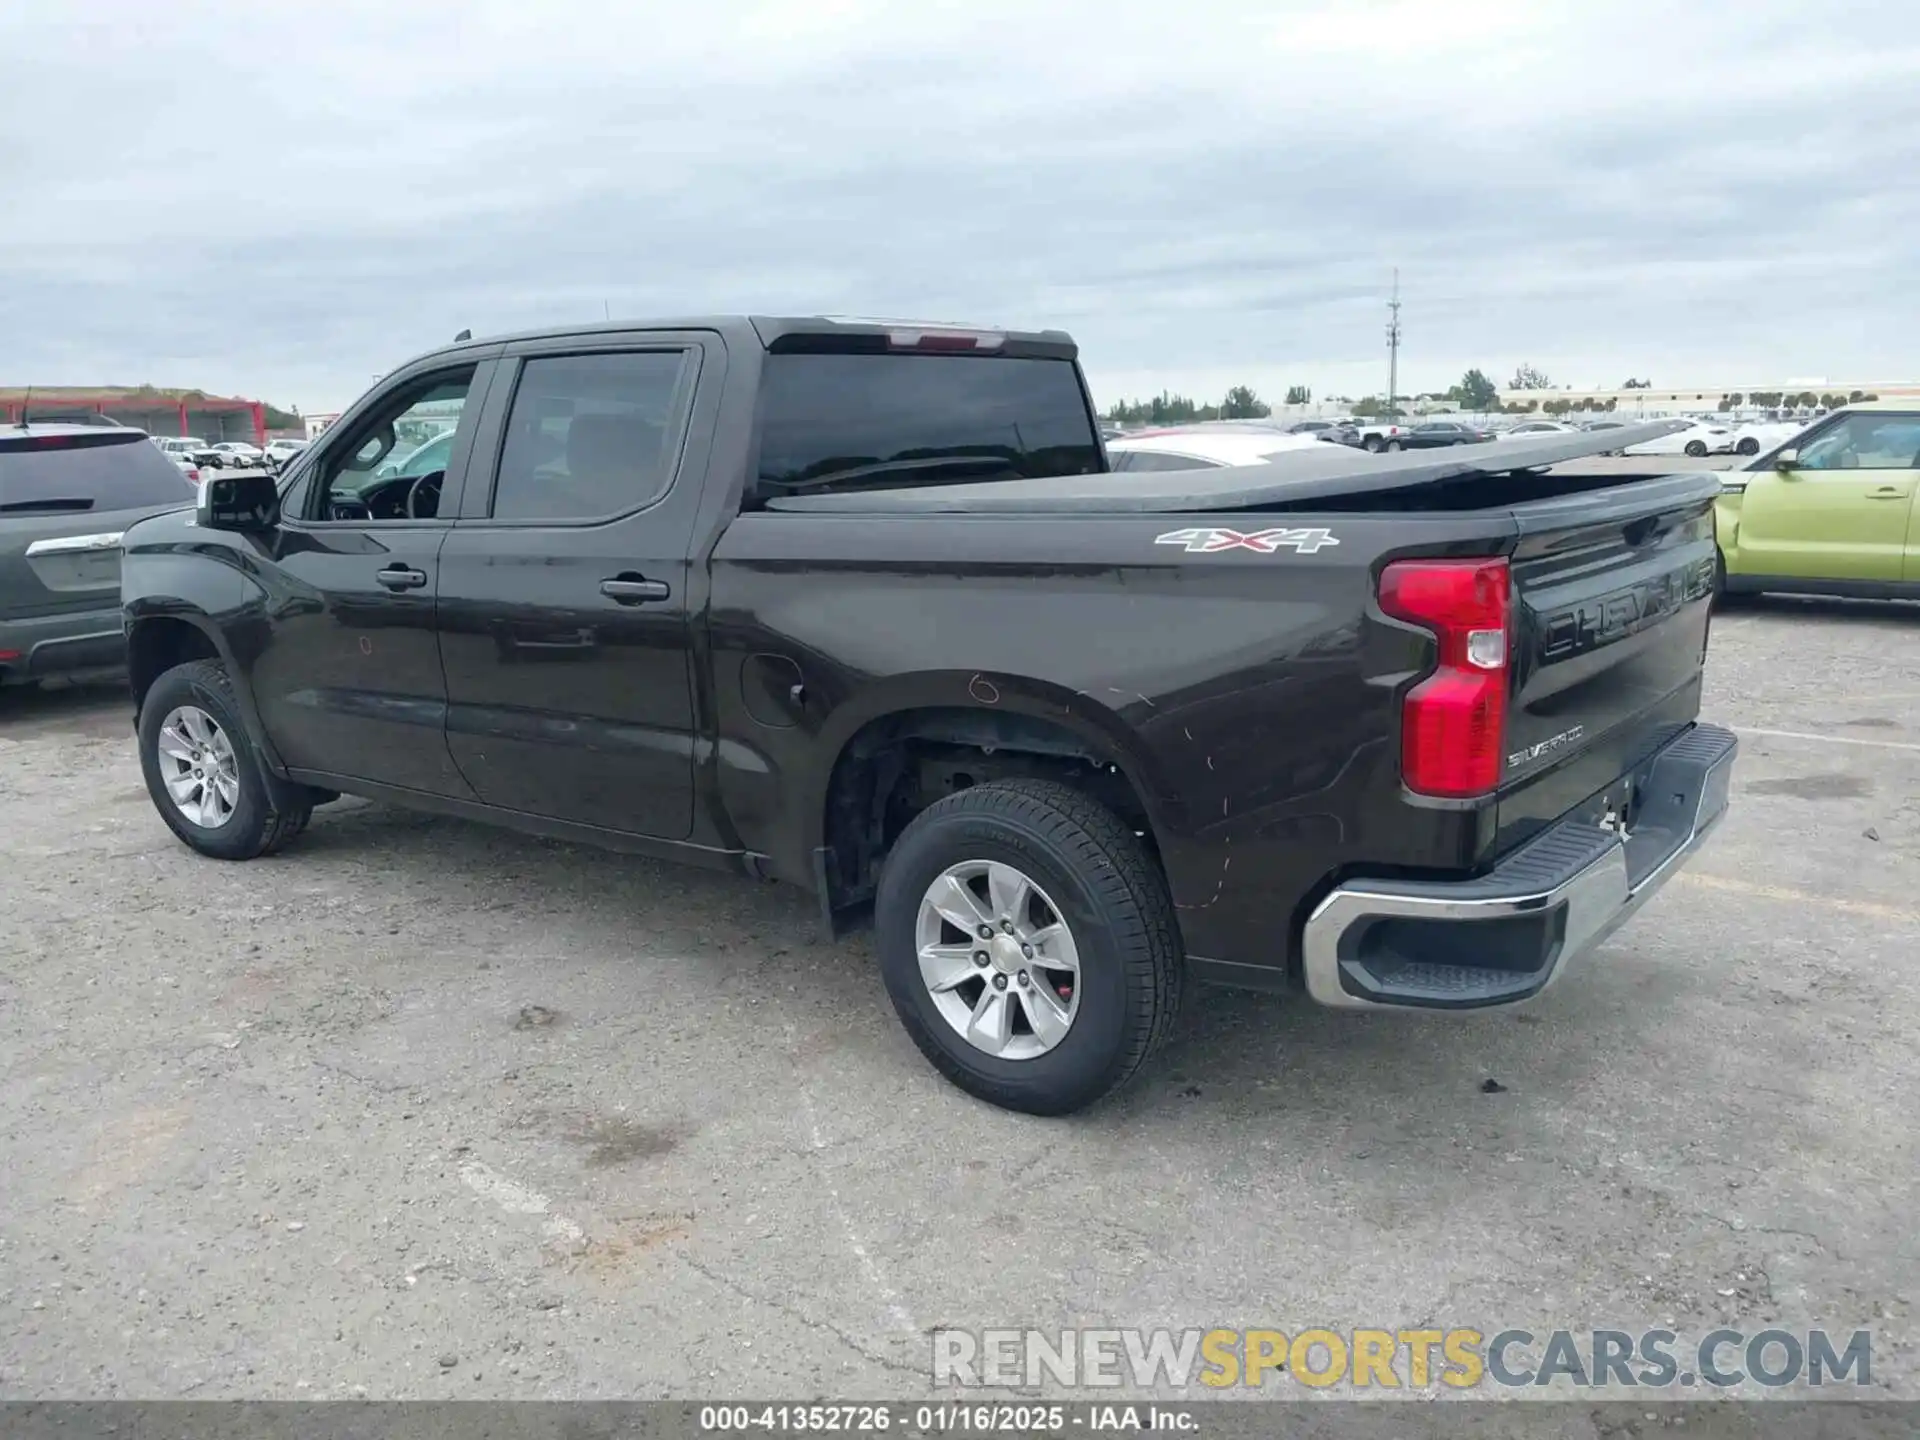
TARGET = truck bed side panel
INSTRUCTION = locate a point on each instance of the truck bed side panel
(1250, 695)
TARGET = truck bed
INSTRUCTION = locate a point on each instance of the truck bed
(1290, 480)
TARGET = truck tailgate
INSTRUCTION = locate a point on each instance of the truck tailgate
(1611, 593)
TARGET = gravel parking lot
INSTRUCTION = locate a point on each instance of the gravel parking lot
(419, 1109)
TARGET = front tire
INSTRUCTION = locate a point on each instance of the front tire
(203, 772)
(1083, 970)
(1394, 447)
(1748, 446)
(1372, 443)
(1696, 448)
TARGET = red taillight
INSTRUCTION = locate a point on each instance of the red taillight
(1453, 721)
(959, 341)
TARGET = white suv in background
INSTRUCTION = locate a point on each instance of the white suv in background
(236, 455)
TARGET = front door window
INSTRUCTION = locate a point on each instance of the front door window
(393, 465)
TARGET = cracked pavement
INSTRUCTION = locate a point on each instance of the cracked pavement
(420, 1109)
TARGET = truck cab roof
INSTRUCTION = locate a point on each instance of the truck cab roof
(776, 332)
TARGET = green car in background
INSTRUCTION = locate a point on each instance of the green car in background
(1830, 512)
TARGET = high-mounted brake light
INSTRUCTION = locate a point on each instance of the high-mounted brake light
(78, 439)
(1453, 721)
(950, 340)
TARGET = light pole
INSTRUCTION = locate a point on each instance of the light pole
(1393, 348)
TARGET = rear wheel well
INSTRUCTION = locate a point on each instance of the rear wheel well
(155, 646)
(896, 766)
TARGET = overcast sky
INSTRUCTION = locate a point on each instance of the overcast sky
(224, 195)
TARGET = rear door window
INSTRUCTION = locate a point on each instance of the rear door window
(593, 436)
(836, 422)
(85, 473)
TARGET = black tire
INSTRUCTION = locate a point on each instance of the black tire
(1372, 442)
(268, 812)
(1115, 902)
(1394, 447)
(1747, 446)
(1696, 448)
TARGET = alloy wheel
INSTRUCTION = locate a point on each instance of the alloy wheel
(998, 959)
(198, 767)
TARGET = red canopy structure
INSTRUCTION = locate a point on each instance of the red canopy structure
(158, 412)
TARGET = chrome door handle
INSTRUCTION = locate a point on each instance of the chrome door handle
(634, 589)
(74, 544)
(400, 577)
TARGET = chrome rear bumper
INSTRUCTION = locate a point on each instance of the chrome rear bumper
(1505, 936)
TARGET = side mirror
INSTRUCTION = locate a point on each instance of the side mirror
(246, 503)
(1787, 459)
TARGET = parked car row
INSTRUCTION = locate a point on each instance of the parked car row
(1706, 437)
(228, 454)
(1389, 435)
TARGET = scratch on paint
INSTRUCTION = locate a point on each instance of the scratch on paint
(1220, 885)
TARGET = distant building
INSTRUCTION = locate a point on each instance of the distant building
(317, 425)
(1694, 399)
(158, 412)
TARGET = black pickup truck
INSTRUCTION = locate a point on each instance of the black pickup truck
(860, 607)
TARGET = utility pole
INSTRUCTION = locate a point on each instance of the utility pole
(1393, 346)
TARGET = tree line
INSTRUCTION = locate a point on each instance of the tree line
(1475, 391)
(1239, 403)
(1805, 399)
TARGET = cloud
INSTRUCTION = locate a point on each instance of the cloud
(228, 195)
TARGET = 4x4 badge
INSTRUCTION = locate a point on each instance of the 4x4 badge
(1213, 541)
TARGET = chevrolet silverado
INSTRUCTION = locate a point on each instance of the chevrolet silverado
(862, 607)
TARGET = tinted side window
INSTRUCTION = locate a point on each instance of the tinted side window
(123, 475)
(591, 436)
(875, 421)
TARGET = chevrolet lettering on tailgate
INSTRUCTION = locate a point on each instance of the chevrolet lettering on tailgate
(1608, 618)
